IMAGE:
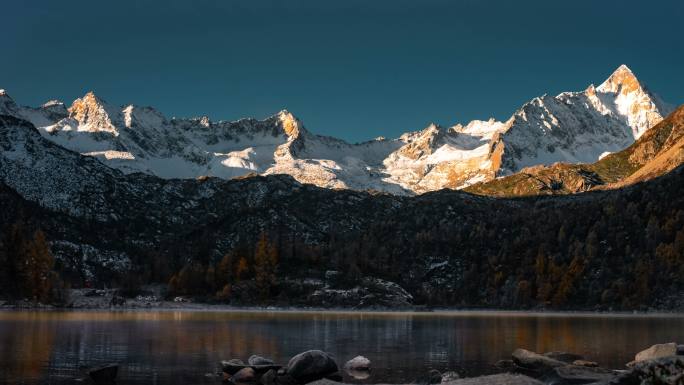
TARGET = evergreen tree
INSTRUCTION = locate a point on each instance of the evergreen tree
(265, 262)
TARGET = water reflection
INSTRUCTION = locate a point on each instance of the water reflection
(173, 347)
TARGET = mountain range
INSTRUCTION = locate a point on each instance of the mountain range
(572, 127)
(110, 218)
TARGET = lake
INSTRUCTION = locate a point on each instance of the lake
(184, 347)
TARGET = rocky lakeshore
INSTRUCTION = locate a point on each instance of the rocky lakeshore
(661, 364)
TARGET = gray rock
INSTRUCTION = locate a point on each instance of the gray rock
(244, 375)
(256, 360)
(537, 362)
(657, 351)
(358, 363)
(573, 374)
(680, 350)
(105, 374)
(311, 365)
(232, 366)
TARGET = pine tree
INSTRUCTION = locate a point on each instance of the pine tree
(35, 267)
(241, 269)
(224, 270)
(265, 262)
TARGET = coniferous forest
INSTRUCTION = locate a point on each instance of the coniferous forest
(620, 249)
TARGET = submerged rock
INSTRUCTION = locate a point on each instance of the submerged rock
(105, 374)
(311, 365)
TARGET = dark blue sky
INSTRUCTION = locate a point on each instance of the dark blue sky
(354, 69)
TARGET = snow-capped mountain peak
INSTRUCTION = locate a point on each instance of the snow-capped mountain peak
(291, 125)
(621, 80)
(570, 127)
(94, 114)
(640, 108)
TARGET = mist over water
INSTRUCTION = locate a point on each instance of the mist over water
(178, 347)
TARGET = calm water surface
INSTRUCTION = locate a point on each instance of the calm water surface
(183, 347)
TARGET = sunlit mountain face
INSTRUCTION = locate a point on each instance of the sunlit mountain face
(574, 127)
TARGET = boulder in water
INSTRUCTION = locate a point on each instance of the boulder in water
(358, 363)
(311, 365)
(657, 351)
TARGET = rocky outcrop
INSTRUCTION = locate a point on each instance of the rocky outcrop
(370, 293)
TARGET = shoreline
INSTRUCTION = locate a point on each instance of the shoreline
(437, 312)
